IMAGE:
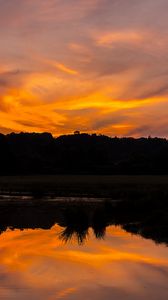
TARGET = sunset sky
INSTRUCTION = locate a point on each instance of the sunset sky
(89, 65)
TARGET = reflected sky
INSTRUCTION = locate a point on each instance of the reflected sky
(36, 264)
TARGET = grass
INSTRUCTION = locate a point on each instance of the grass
(85, 185)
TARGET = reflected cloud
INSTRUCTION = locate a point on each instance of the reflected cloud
(35, 264)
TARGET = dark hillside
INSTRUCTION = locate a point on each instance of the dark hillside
(32, 153)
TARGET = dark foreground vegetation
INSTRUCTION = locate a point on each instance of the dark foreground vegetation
(81, 154)
(87, 166)
(99, 186)
(76, 216)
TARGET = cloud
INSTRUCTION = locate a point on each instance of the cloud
(65, 69)
(6, 130)
(110, 38)
(78, 56)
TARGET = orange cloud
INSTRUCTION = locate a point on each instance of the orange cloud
(83, 64)
(66, 69)
(63, 294)
(108, 38)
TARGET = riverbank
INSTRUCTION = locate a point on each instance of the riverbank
(84, 185)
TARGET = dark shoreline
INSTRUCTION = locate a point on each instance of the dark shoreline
(83, 185)
(139, 204)
(76, 216)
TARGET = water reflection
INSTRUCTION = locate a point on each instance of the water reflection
(83, 250)
(36, 265)
(76, 225)
(76, 217)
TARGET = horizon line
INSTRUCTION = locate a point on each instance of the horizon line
(84, 133)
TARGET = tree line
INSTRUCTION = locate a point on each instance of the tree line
(33, 153)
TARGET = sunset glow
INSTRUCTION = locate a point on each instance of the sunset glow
(89, 65)
(121, 264)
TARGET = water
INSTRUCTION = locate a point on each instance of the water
(67, 261)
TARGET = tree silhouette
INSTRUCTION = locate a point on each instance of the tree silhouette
(81, 153)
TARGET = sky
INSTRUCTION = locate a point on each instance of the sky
(91, 65)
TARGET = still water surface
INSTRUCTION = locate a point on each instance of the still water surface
(38, 265)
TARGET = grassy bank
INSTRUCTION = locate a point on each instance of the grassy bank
(86, 185)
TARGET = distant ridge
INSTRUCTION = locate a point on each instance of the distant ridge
(41, 153)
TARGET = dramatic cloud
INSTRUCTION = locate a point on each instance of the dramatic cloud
(95, 65)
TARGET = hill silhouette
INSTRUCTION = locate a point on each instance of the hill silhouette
(33, 153)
